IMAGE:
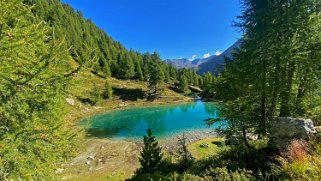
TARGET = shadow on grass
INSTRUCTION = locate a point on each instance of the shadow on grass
(239, 157)
(126, 94)
(86, 100)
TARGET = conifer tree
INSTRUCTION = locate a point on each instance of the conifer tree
(151, 155)
(156, 76)
(139, 71)
(108, 91)
(186, 159)
(183, 84)
(32, 84)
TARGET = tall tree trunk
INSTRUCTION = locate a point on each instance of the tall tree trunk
(245, 138)
(263, 114)
(263, 130)
(286, 92)
(275, 91)
(299, 98)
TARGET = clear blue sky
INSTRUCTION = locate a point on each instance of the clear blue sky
(173, 28)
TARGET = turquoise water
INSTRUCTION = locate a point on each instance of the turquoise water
(164, 120)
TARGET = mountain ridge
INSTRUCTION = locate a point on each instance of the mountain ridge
(214, 63)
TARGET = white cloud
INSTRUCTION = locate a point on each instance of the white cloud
(217, 53)
(206, 55)
(193, 57)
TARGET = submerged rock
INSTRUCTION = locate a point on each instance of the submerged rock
(287, 129)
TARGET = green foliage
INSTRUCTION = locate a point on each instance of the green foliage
(156, 73)
(186, 159)
(139, 71)
(95, 94)
(208, 85)
(108, 90)
(183, 84)
(32, 84)
(223, 174)
(151, 156)
(275, 72)
(110, 57)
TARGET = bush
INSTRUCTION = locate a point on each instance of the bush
(297, 150)
(221, 173)
(297, 164)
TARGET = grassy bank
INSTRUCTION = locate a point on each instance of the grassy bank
(127, 94)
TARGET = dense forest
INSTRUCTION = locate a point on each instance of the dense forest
(276, 72)
(92, 47)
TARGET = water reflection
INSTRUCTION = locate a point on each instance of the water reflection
(164, 120)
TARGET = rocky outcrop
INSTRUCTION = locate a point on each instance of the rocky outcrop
(286, 129)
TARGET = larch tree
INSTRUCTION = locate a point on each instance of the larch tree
(32, 84)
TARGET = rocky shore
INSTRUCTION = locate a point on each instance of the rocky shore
(120, 157)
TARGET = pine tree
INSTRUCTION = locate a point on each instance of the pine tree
(151, 155)
(186, 159)
(106, 69)
(108, 91)
(95, 94)
(139, 71)
(183, 84)
(156, 76)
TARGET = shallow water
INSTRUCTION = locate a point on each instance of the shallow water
(165, 121)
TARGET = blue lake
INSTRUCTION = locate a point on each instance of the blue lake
(165, 121)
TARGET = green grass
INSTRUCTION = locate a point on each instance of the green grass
(199, 152)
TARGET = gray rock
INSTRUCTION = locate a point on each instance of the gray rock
(59, 170)
(70, 101)
(252, 137)
(287, 129)
(90, 168)
(91, 157)
(204, 145)
(318, 129)
(233, 140)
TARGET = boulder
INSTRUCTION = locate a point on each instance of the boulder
(318, 129)
(233, 140)
(59, 170)
(287, 129)
(70, 101)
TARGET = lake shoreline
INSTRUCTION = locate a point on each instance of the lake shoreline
(119, 158)
(103, 108)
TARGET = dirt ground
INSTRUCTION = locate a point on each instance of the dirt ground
(105, 159)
